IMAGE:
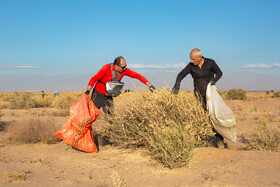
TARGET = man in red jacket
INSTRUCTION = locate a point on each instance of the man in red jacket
(105, 75)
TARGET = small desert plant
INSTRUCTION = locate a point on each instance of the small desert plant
(276, 94)
(264, 138)
(236, 94)
(33, 130)
(18, 176)
(169, 126)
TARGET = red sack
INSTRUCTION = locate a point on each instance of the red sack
(77, 131)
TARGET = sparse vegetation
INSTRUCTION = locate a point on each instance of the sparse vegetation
(276, 94)
(64, 101)
(169, 126)
(264, 138)
(33, 130)
(25, 100)
(18, 176)
(236, 94)
(62, 113)
(2, 124)
(22, 101)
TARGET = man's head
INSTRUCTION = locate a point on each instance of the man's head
(120, 64)
(196, 56)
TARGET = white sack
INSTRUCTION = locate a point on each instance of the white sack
(221, 116)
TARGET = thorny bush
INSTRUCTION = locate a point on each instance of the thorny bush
(169, 126)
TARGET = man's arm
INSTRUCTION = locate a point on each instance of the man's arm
(141, 78)
(135, 75)
(215, 68)
(179, 78)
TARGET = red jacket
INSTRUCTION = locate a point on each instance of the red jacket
(105, 75)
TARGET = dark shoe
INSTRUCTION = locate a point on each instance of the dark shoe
(220, 143)
(203, 145)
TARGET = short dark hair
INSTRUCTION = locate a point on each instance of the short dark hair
(117, 60)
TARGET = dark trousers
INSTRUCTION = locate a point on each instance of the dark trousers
(102, 101)
(201, 96)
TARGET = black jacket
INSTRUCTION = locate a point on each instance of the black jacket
(201, 76)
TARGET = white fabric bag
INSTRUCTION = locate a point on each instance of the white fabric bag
(222, 117)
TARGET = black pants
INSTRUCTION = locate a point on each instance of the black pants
(103, 101)
(201, 96)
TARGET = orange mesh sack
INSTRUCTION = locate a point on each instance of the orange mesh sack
(77, 131)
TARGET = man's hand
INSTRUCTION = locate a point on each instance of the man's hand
(212, 81)
(87, 92)
(176, 89)
(152, 88)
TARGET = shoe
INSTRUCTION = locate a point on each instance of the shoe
(203, 145)
(220, 143)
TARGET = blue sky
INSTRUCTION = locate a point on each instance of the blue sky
(62, 37)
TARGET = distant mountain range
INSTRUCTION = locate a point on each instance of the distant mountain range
(249, 81)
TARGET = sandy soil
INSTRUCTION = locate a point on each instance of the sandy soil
(60, 165)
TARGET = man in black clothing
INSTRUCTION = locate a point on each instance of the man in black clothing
(203, 71)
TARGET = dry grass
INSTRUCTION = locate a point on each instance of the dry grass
(25, 100)
(264, 138)
(65, 100)
(18, 176)
(32, 130)
(117, 181)
(62, 113)
(256, 95)
(237, 107)
(169, 126)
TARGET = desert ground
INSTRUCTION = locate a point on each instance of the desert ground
(59, 165)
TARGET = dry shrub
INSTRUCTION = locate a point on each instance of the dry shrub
(22, 101)
(169, 126)
(27, 100)
(276, 94)
(264, 138)
(18, 176)
(236, 94)
(46, 102)
(65, 100)
(33, 130)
